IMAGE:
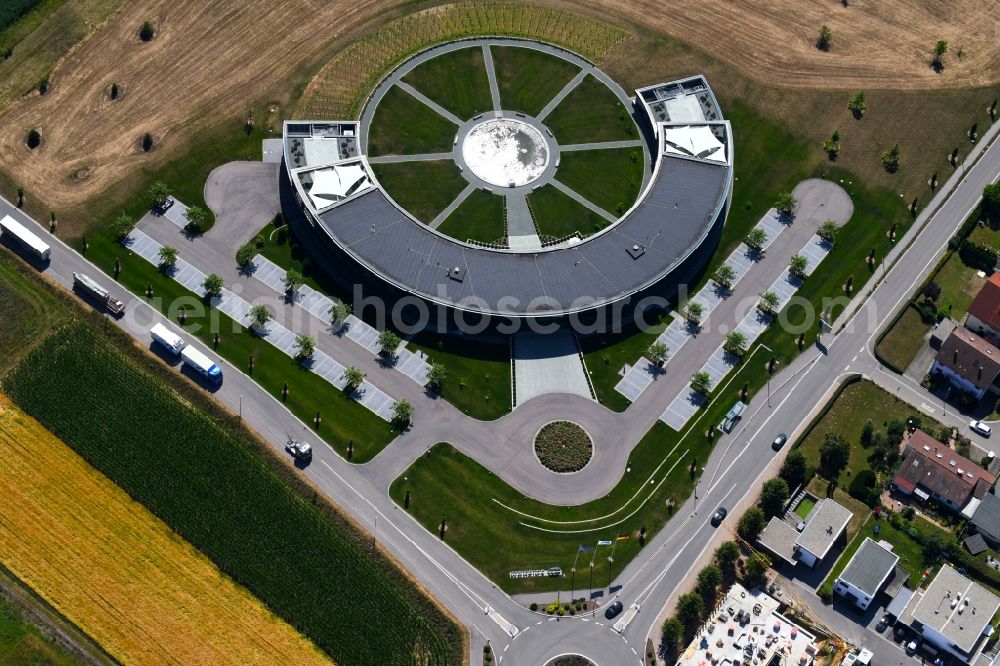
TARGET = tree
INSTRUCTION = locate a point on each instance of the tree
(756, 239)
(940, 48)
(773, 495)
(292, 280)
(436, 376)
(768, 303)
(213, 285)
(339, 312)
(991, 202)
(354, 377)
(147, 31)
(735, 343)
(709, 580)
(829, 231)
(402, 412)
(795, 469)
(158, 194)
(797, 266)
(657, 353)
(751, 524)
(701, 383)
(245, 255)
(147, 142)
(756, 572)
(825, 38)
(833, 455)
(34, 139)
(388, 342)
(935, 545)
(727, 555)
(259, 315)
(724, 275)
(690, 608)
(891, 157)
(856, 105)
(786, 203)
(693, 312)
(114, 91)
(671, 633)
(305, 347)
(197, 219)
(122, 226)
(168, 257)
(832, 146)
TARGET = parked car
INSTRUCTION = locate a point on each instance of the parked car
(779, 441)
(299, 449)
(882, 624)
(719, 515)
(981, 428)
(900, 633)
(912, 647)
(167, 203)
(613, 610)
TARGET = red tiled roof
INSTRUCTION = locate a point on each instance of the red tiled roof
(986, 305)
(970, 356)
(934, 466)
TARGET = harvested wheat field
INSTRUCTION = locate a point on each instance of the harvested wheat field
(117, 571)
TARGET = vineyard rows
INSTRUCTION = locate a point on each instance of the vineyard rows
(220, 496)
(339, 90)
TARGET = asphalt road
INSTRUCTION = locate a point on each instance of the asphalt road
(736, 466)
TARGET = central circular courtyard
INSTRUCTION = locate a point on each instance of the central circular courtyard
(505, 152)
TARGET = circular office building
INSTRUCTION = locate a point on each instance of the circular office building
(513, 179)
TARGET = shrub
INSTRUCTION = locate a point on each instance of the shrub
(245, 255)
(751, 524)
(147, 142)
(563, 446)
(122, 226)
(786, 203)
(977, 255)
(891, 158)
(197, 219)
(864, 488)
(147, 31)
(825, 38)
(305, 347)
(773, 495)
(34, 139)
(755, 239)
(213, 285)
(402, 412)
(388, 342)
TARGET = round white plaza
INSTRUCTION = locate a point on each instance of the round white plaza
(505, 152)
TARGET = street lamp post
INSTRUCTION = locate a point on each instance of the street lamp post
(239, 419)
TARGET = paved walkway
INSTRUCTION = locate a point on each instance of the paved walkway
(548, 364)
(566, 90)
(427, 101)
(491, 75)
(450, 208)
(579, 198)
(419, 157)
(521, 231)
(602, 145)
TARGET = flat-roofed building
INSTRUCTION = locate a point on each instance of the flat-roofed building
(871, 567)
(825, 526)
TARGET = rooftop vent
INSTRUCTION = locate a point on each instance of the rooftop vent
(926, 448)
(951, 462)
(960, 472)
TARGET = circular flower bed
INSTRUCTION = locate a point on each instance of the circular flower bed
(563, 446)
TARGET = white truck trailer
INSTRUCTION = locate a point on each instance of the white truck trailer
(170, 340)
(9, 227)
(90, 287)
(201, 364)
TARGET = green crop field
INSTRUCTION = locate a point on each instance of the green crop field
(529, 79)
(479, 218)
(591, 112)
(557, 214)
(12, 10)
(455, 80)
(26, 310)
(423, 188)
(403, 125)
(610, 178)
(217, 493)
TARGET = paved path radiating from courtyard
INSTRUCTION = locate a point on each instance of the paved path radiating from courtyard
(491, 75)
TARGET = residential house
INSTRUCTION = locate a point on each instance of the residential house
(969, 362)
(932, 470)
(987, 518)
(953, 615)
(984, 313)
(808, 542)
(869, 571)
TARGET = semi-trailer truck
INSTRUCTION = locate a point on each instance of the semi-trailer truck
(201, 364)
(9, 227)
(90, 287)
(172, 342)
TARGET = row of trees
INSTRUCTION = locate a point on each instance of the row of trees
(774, 495)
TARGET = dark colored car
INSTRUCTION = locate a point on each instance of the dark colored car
(882, 624)
(719, 515)
(613, 610)
(167, 203)
(779, 441)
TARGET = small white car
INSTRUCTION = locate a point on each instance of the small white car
(299, 449)
(980, 428)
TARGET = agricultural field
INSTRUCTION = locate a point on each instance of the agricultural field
(97, 556)
(480, 217)
(403, 125)
(558, 215)
(218, 494)
(27, 311)
(456, 80)
(422, 188)
(591, 112)
(529, 79)
(610, 178)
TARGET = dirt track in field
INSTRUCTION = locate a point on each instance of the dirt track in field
(210, 60)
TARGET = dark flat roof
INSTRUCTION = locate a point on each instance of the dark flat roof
(676, 214)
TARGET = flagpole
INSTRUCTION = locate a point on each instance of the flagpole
(590, 593)
(572, 572)
(611, 558)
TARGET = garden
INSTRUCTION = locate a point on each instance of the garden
(563, 447)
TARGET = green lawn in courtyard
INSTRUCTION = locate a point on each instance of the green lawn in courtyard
(528, 79)
(589, 113)
(343, 420)
(902, 342)
(478, 380)
(606, 353)
(423, 188)
(456, 80)
(804, 507)
(558, 215)
(610, 178)
(403, 125)
(858, 402)
(479, 218)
